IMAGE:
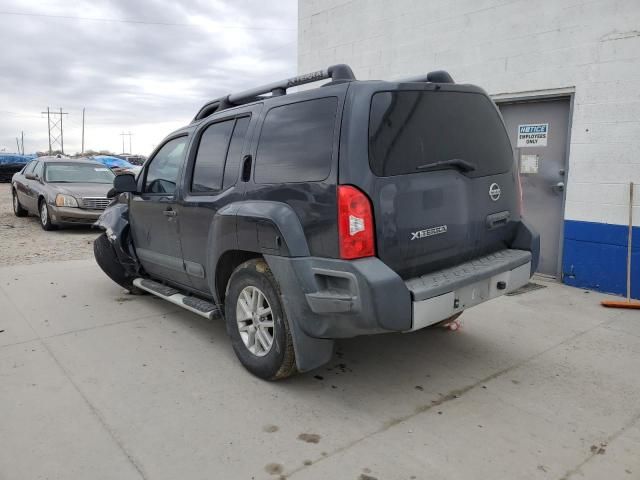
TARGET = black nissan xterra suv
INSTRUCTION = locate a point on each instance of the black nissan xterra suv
(355, 208)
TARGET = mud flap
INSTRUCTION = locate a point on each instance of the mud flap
(310, 352)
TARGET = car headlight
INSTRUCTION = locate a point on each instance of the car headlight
(65, 201)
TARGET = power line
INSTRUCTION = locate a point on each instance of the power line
(139, 22)
(18, 114)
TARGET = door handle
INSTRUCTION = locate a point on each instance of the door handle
(559, 186)
(246, 168)
(170, 213)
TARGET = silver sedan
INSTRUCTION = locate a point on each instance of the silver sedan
(61, 191)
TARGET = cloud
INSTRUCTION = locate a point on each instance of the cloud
(128, 74)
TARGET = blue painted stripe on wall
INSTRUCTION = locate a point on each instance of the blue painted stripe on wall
(595, 257)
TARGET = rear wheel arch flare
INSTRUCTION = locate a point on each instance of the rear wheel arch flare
(227, 263)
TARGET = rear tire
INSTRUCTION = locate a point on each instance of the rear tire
(257, 323)
(18, 210)
(45, 218)
(107, 259)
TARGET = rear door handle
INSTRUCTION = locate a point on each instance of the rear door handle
(246, 168)
(170, 213)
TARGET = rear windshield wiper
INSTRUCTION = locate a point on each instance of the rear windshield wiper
(462, 165)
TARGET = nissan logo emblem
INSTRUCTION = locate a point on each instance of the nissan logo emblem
(494, 192)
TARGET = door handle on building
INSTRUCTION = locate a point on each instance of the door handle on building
(170, 213)
(559, 186)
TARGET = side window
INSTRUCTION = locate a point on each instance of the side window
(234, 155)
(164, 169)
(30, 166)
(296, 142)
(39, 169)
(212, 151)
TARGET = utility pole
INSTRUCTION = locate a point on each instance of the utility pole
(18, 144)
(125, 135)
(83, 130)
(56, 133)
(49, 127)
(61, 133)
(22, 141)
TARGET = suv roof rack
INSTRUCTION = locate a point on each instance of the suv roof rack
(339, 72)
(437, 76)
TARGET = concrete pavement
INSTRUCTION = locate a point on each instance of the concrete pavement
(95, 383)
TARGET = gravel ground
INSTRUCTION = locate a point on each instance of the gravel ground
(23, 241)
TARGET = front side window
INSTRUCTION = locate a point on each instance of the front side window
(30, 166)
(296, 142)
(164, 169)
(39, 169)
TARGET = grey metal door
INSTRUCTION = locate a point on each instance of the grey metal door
(538, 131)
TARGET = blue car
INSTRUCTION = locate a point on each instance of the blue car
(11, 163)
(116, 164)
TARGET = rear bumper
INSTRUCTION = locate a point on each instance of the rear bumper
(325, 299)
(470, 293)
(335, 298)
(332, 298)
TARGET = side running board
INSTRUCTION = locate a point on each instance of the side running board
(193, 304)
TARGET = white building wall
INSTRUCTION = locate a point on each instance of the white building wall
(509, 47)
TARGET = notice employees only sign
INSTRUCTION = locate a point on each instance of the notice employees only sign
(533, 135)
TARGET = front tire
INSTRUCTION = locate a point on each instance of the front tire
(257, 323)
(107, 259)
(18, 210)
(45, 218)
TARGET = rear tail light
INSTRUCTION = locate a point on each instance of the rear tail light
(355, 223)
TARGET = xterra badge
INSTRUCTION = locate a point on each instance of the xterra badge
(494, 192)
(428, 232)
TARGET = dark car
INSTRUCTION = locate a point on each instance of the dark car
(356, 208)
(61, 191)
(11, 163)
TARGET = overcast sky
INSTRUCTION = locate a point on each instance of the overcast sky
(144, 66)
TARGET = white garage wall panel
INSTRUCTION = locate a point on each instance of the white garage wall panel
(509, 47)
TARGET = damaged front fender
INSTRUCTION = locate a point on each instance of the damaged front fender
(114, 221)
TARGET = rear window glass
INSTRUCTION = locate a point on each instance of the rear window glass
(296, 142)
(408, 130)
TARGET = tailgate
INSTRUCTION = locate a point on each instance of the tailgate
(444, 189)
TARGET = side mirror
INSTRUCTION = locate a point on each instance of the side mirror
(30, 176)
(125, 183)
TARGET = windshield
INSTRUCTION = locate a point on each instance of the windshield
(409, 131)
(77, 173)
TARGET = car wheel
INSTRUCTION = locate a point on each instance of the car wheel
(257, 323)
(18, 210)
(45, 218)
(107, 259)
